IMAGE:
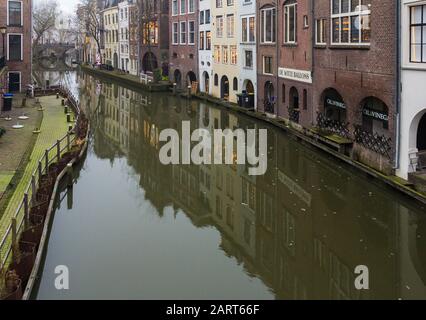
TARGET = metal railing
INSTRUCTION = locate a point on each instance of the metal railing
(333, 126)
(21, 218)
(375, 142)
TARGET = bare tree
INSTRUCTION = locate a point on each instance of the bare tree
(44, 17)
(90, 20)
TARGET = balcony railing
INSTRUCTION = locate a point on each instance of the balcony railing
(378, 143)
(333, 126)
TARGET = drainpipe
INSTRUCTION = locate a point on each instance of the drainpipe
(398, 88)
(277, 58)
(313, 26)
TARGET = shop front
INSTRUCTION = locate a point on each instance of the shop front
(334, 106)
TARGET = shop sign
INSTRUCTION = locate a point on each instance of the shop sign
(375, 114)
(297, 75)
(334, 103)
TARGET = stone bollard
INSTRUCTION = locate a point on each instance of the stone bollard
(63, 102)
(66, 109)
(69, 117)
(174, 88)
(189, 92)
(57, 95)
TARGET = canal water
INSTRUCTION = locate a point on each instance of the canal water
(132, 228)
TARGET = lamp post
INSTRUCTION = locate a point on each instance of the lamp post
(3, 30)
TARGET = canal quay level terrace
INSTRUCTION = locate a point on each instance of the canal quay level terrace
(300, 231)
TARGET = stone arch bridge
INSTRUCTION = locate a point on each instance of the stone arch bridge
(55, 56)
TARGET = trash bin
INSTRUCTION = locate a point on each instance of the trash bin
(240, 99)
(7, 102)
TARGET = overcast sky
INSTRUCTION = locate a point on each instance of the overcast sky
(68, 6)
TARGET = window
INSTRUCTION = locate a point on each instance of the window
(191, 6)
(201, 40)
(191, 27)
(182, 6)
(350, 21)
(267, 65)
(15, 13)
(175, 32)
(174, 7)
(233, 55)
(230, 25)
(201, 17)
(248, 29)
(248, 62)
(235, 84)
(218, 3)
(208, 40)
(219, 26)
(217, 54)
(207, 16)
(290, 23)
(230, 2)
(216, 83)
(225, 54)
(418, 34)
(268, 25)
(183, 32)
(15, 47)
(320, 28)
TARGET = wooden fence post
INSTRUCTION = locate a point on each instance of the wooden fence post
(33, 190)
(26, 211)
(68, 141)
(14, 240)
(46, 156)
(40, 170)
(58, 150)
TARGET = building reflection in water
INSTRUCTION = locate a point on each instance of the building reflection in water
(302, 228)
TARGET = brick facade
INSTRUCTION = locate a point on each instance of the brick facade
(23, 66)
(154, 49)
(359, 72)
(184, 56)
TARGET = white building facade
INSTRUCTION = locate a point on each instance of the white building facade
(246, 32)
(123, 33)
(413, 95)
(205, 46)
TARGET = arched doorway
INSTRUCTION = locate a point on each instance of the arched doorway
(149, 62)
(421, 134)
(294, 99)
(269, 97)
(206, 81)
(293, 107)
(177, 76)
(191, 78)
(249, 87)
(334, 106)
(375, 116)
(115, 60)
(224, 88)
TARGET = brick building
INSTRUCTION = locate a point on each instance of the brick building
(285, 59)
(267, 53)
(355, 62)
(154, 40)
(16, 18)
(183, 42)
(295, 61)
